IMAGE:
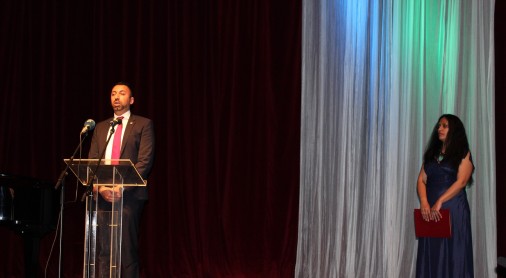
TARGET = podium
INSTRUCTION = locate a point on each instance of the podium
(103, 226)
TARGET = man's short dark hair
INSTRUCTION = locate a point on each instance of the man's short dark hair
(128, 84)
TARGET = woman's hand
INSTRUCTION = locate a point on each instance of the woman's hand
(435, 214)
(425, 210)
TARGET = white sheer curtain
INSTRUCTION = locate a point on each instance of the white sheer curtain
(376, 75)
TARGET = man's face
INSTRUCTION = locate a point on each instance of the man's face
(121, 99)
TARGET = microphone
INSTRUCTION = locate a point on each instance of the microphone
(116, 121)
(88, 125)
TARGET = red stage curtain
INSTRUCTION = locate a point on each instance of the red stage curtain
(220, 79)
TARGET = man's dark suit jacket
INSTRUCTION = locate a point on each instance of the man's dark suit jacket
(138, 145)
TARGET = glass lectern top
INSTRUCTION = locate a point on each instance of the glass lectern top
(110, 172)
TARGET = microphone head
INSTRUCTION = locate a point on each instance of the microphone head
(90, 124)
(116, 121)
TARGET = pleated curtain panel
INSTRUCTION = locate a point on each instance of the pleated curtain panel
(376, 76)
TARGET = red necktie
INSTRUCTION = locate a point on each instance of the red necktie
(116, 143)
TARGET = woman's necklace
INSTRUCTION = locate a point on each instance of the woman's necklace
(440, 157)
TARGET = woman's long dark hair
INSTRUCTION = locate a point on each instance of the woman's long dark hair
(457, 145)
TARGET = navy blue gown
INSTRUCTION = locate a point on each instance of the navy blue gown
(446, 257)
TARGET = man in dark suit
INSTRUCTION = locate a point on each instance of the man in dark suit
(138, 145)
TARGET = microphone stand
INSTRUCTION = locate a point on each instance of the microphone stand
(89, 195)
(64, 172)
(61, 182)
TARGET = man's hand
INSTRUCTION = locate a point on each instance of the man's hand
(111, 194)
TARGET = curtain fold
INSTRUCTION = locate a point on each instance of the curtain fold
(376, 75)
(221, 81)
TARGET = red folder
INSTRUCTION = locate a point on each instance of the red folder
(442, 228)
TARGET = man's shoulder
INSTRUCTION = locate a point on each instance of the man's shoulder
(139, 119)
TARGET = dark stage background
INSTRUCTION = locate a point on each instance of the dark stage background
(221, 80)
(500, 112)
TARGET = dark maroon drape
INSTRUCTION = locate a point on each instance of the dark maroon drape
(221, 79)
(500, 99)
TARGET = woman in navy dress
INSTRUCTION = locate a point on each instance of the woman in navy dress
(447, 169)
